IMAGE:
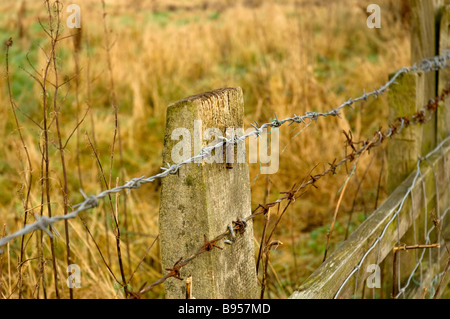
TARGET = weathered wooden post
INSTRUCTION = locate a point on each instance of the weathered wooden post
(444, 75)
(423, 45)
(202, 199)
(410, 95)
(443, 119)
(405, 99)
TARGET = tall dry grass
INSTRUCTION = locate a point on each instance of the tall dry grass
(288, 56)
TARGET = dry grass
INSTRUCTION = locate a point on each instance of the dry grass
(287, 58)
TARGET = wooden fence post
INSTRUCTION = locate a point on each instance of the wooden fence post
(202, 199)
(443, 119)
(423, 45)
(404, 149)
(340, 270)
(414, 91)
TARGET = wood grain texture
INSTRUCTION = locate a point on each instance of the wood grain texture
(405, 99)
(202, 200)
(404, 149)
(443, 122)
(423, 45)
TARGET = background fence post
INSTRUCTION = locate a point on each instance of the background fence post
(423, 45)
(403, 151)
(202, 199)
(404, 148)
(443, 121)
(413, 93)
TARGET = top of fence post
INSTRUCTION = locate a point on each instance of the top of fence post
(203, 199)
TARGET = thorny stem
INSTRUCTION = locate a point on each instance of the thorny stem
(113, 215)
(338, 205)
(30, 168)
(40, 235)
(266, 263)
(379, 183)
(266, 223)
(77, 44)
(356, 196)
(438, 226)
(100, 252)
(115, 105)
(264, 278)
(142, 259)
(1, 264)
(54, 40)
(46, 178)
(263, 236)
(436, 294)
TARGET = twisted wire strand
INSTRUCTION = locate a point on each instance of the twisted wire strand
(44, 223)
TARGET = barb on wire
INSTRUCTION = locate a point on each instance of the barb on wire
(210, 245)
(426, 65)
(175, 270)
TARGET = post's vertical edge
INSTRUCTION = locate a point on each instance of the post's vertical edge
(404, 148)
(403, 152)
(443, 121)
(423, 45)
(202, 199)
(443, 125)
(438, 4)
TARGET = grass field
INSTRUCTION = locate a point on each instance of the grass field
(288, 57)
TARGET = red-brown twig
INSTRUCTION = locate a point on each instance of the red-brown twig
(269, 246)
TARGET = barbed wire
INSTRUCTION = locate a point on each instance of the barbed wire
(45, 223)
(396, 127)
(394, 216)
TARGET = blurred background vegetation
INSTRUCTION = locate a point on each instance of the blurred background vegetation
(289, 56)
